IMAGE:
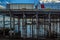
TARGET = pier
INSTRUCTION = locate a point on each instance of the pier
(49, 20)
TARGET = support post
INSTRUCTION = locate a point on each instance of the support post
(4, 25)
(37, 24)
(49, 24)
(13, 22)
(10, 20)
(59, 24)
(32, 27)
(24, 25)
(18, 23)
(19, 32)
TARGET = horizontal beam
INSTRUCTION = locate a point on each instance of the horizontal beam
(30, 10)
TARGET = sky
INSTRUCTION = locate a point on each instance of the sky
(4, 2)
(23, 1)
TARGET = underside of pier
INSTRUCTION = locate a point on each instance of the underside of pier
(34, 24)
